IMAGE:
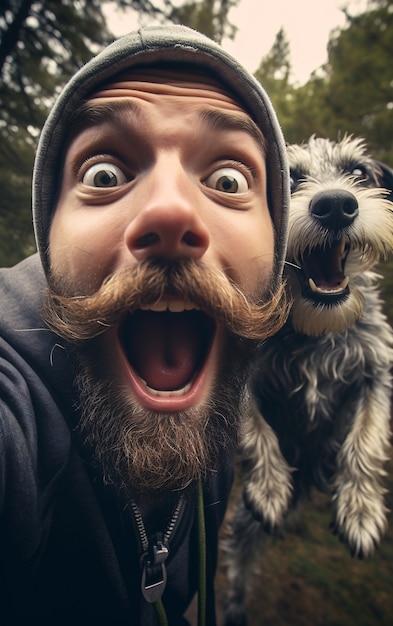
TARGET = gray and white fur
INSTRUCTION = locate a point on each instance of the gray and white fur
(321, 388)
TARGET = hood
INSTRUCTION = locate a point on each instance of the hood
(146, 47)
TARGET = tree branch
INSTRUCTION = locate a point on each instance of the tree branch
(10, 36)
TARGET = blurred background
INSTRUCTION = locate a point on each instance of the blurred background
(328, 68)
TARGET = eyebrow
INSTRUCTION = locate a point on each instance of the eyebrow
(92, 113)
(224, 120)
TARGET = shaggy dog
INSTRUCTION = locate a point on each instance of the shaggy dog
(321, 388)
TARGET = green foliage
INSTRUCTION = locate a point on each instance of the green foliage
(16, 157)
(359, 74)
(274, 74)
(208, 16)
(42, 43)
(275, 68)
(386, 270)
(352, 93)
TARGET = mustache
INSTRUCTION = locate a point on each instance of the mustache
(79, 318)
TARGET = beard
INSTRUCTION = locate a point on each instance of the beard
(143, 451)
(139, 450)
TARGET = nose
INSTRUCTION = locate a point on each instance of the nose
(334, 208)
(168, 224)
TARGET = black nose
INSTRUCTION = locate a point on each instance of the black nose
(334, 208)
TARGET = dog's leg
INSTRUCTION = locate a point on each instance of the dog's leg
(266, 476)
(241, 548)
(360, 512)
(267, 490)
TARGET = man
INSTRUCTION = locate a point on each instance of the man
(160, 206)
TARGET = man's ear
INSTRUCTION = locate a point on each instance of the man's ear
(386, 179)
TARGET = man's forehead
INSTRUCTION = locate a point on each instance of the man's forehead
(151, 84)
(183, 88)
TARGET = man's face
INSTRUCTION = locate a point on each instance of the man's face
(163, 172)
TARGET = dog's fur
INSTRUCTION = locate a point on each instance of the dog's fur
(322, 386)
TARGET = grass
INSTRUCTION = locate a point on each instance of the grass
(308, 578)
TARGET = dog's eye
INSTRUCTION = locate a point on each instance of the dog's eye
(359, 172)
(294, 180)
(104, 175)
(227, 180)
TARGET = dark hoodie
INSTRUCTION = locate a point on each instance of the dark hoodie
(70, 552)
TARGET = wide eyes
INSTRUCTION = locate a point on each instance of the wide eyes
(227, 180)
(224, 179)
(104, 175)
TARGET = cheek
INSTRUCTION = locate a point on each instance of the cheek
(84, 245)
(247, 251)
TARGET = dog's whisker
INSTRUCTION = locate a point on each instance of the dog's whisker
(294, 265)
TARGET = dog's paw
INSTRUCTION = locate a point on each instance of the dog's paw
(360, 520)
(268, 499)
(266, 476)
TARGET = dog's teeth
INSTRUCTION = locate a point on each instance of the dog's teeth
(344, 283)
(313, 286)
(331, 290)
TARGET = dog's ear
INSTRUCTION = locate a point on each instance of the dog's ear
(386, 180)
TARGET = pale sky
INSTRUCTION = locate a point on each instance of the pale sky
(307, 24)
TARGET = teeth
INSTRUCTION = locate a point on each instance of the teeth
(157, 307)
(175, 306)
(343, 285)
(168, 394)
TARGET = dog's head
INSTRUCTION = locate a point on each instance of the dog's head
(340, 226)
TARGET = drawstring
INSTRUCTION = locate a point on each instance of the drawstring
(161, 613)
(202, 558)
(158, 604)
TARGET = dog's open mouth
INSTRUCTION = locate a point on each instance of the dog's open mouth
(324, 269)
(167, 346)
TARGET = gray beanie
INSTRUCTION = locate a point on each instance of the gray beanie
(145, 47)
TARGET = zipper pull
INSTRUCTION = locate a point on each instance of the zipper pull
(154, 576)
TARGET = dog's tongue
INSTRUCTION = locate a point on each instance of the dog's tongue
(164, 348)
(324, 265)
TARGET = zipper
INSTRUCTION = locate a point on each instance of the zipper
(155, 551)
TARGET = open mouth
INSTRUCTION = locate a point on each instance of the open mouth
(167, 346)
(324, 271)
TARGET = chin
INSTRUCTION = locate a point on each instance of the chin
(316, 313)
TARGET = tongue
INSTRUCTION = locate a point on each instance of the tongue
(164, 348)
(324, 265)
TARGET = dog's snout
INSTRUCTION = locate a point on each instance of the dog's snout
(334, 208)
